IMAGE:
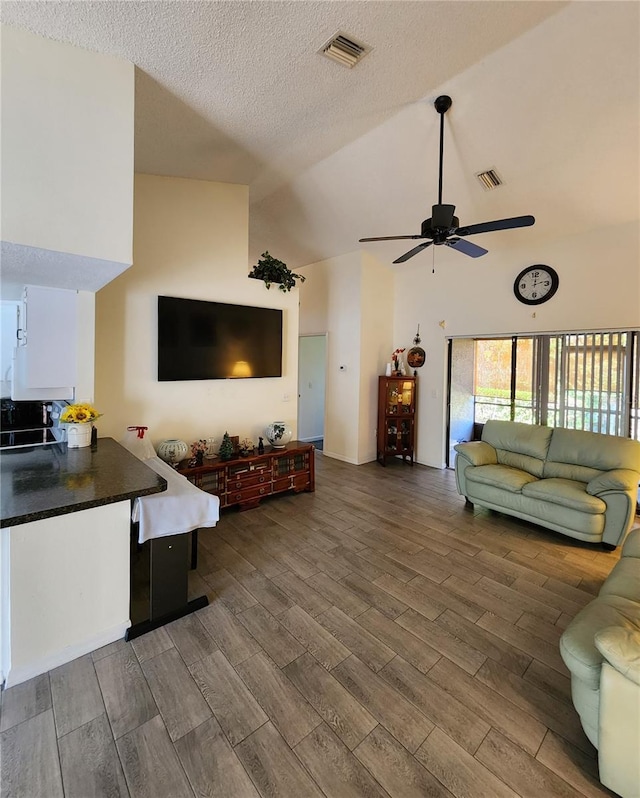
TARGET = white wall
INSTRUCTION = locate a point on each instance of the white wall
(351, 298)
(190, 240)
(599, 289)
(67, 148)
(377, 346)
(368, 312)
(330, 302)
(80, 598)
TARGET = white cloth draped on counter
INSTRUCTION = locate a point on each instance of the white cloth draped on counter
(178, 510)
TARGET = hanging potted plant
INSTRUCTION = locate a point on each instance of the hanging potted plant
(272, 270)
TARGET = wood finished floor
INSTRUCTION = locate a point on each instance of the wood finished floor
(371, 639)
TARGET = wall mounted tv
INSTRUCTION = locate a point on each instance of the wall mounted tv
(200, 340)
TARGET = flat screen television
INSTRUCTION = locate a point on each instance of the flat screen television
(200, 340)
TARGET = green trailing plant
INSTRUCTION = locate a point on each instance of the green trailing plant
(272, 270)
(226, 447)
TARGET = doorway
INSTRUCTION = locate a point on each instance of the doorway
(574, 380)
(312, 367)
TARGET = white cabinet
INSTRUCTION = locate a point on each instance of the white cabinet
(45, 359)
(8, 330)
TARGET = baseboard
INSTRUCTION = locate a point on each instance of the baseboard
(35, 668)
(340, 457)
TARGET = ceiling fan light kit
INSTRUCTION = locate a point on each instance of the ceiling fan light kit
(443, 227)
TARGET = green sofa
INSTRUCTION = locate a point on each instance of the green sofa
(581, 484)
(601, 649)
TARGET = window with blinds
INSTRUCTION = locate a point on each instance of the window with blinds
(588, 381)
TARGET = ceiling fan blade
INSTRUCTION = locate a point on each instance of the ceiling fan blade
(466, 247)
(387, 238)
(413, 252)
(499, 224)
(442, 215)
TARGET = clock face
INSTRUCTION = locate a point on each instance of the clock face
(536, 284)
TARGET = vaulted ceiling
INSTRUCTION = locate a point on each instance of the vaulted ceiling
(544, 92)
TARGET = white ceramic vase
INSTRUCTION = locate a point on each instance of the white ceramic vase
(172, 451)
(278, 434)
(78, 435)
(211, 449)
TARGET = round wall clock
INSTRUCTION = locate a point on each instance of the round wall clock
(536, 284)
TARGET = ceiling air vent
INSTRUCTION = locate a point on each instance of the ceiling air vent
(489, 179)
(344, 50)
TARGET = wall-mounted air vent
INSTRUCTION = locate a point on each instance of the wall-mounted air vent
(344, 50)
(489, 179)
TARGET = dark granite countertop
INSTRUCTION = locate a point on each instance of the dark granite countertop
(43, 481)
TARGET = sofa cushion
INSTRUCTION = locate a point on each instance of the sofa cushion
(566, 493)
(578, 473)
(522, 446)
(585, 526)
(577, 644)
(593, 450)
(631, 546)
(527, 439)
(621, 649)
(624, 580)
(521, 461)
(500, 476)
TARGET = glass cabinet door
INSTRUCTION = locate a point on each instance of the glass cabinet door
(400, 397)
(399, 434)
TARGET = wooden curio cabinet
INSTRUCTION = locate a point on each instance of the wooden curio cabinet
(396, 418)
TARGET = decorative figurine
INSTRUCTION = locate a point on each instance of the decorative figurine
(260, 446)
(226, 447)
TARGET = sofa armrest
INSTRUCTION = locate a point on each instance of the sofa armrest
(621, 649)
(623, 479)
(631, 546)
(477, 452)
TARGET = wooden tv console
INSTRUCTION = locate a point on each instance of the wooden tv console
(245, 481)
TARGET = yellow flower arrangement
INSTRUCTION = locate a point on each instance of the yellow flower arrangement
(79, 414)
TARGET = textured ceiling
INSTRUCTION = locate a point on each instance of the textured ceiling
(556, 112)
(236, 92)
(545, 92)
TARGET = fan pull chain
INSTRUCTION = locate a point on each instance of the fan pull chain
(433, 260)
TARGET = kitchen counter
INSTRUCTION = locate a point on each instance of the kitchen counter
(44, 481)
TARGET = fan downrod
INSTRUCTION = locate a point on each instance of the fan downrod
(442, 104)
(443, 227)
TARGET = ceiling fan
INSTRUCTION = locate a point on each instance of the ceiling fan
(443, 227)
